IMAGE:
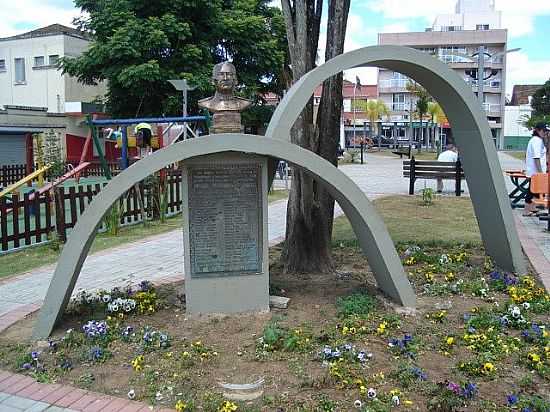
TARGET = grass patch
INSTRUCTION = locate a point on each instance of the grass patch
(275, 195)
(446, 221)
(357, 304)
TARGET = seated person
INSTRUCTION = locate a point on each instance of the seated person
(449, 155)
(144, 133)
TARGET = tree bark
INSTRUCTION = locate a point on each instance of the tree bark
(310, 208)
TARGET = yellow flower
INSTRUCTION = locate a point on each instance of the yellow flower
(534, 357)
(488, 367)
(381, 328)
(228, 406)
(362, 390)
(181, 406)
(345, 330)
(450, 277)
(407, 402)
(450, 341)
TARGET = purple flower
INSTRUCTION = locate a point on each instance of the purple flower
(348, 347)
(34, 356)
(419, 373)
(95, 353)
(537, 329)
(510, 280)
(453, 387)
(495, 275)
(26, 366)
(512, 399)
(407, 338)
(526, 410)
(469, 391)
(471, 329)
(145, 285)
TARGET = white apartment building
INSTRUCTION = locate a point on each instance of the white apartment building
(29, 74)
(452, 38)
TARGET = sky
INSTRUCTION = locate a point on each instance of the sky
(527, 21)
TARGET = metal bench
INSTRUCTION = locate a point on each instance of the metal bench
(403, 151)
(432, 169)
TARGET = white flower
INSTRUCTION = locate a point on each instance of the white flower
(395, 400)
(371, 393)
(106, 298)
(358, 404)
(526, 305)
(515, 312)
(158, 396)
(444, 259)
(131, 394)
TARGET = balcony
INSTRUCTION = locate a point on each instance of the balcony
(398, 107)
(492, 109)
(393, 85)
(494, 86)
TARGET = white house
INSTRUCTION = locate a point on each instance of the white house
(29, 74)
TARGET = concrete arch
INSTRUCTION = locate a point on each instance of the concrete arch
(369, 227)
(470, 129)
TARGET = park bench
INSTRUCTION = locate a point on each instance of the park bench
(403, 151)
(433, 169)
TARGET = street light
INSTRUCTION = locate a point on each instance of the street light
(184, 87)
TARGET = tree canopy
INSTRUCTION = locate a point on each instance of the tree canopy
(541, 101)
(137, 45)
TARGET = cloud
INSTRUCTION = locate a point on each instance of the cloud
(36, 13)
(522, 70)
(396, 28)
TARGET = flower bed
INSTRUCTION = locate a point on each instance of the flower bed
(479, 342)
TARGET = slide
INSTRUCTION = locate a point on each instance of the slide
(25, 180)
(60, 179)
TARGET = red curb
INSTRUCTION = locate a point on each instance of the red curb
(534, 254)
(84, 402)
(7, 384)
(22, 384)
(57, 395)
(71, 397)
(98, 405)
(29, 390)
(45, 390)
(4, 375)
(132, 407)
(116, 405)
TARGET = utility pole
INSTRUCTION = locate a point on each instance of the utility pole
(184, 87)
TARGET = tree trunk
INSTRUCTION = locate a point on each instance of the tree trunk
(310, 208)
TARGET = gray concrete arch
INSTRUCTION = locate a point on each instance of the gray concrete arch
(368, 226)
(470, 130)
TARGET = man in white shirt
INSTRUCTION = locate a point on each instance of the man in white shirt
(535, 161)
(449, 155)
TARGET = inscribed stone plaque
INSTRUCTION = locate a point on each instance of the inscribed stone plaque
(225, 219)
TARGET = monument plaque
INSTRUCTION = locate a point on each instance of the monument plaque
(225, 220)
(225, 233)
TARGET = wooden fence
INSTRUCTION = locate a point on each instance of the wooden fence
(25, 222)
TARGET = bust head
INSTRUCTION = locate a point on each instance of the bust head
(224, 76)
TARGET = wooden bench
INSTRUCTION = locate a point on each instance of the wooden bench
(403, 151)
(433, 169)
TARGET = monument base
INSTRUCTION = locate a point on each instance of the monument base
(225, 234)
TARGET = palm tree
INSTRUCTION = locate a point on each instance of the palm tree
(422, 101)
(437, 115)
(375, 110)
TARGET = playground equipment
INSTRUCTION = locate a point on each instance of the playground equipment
(26, 179)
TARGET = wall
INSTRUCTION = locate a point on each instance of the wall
(44, 85)
(516, 136)
(75, 91)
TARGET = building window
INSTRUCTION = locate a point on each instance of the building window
(2, 65)
(53, 60)
(20, 70)
(451, 28)
(483, 27)
(39, 61)
(398, 102)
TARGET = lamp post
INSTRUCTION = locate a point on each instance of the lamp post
(184, 87)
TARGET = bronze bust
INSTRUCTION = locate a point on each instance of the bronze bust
(224, 104)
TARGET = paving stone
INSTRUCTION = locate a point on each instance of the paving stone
(38, 407)
(17, 402)
(84, 401)
(57, 394)
(71, 397)
(3, 396)
(44, 391)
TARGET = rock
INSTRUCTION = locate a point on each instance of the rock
(243, 392)
(279, 302)
(406, 311)
(443, 305)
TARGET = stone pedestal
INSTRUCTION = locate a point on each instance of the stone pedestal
(225, 234)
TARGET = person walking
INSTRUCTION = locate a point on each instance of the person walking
(535, 162)
(449, 155)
